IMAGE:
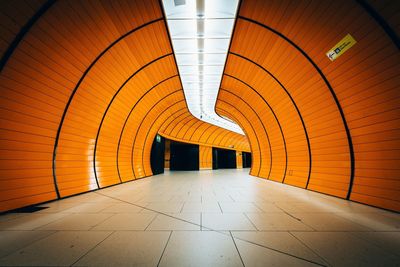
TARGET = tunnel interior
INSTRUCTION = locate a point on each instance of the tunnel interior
(87, 86)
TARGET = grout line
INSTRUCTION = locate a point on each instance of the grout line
(298, 219)
(52, 232)
(145, 229)
(53, 221)
(166, 244)
(373, 242)
(279, 251)
(315, 253)
(201, 221)
(287, 213)
(90, 250)
(184, 203)
(237, 249)
(216, 231)
(255, 227)
(111, 215)
(220, 207)
(258, 207)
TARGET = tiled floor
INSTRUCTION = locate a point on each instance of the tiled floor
(207, 218)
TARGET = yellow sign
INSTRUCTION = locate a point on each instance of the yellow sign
(341, 47)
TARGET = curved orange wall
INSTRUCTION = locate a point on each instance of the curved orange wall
(86, 86)
(205, 158)
(84, 93)
(333, 126)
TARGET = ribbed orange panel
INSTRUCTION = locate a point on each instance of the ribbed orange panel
(137, 96)
(230, 111)
(364, 79)
(167, 155)
(39, 78)
(256, 132)
(104, 90)
(205, 157)
(239, 160)
(182, 128)
(108, 67)
(14, 15)
(279, 117)
(139, 132)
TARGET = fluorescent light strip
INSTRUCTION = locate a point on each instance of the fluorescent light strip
(200, 32)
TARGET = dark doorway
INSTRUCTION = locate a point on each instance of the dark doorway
(184, 157)
(214, 158)
(157, 155)
(224, 158)
(246, 159)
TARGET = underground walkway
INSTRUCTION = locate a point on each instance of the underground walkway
(206, 218)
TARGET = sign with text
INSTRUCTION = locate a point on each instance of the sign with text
(341, 47)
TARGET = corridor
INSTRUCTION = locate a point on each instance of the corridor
(206, 218)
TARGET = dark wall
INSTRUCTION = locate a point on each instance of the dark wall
(246, 159)
(224, 158)
(184, 157)
(214, 158)
(157, 155)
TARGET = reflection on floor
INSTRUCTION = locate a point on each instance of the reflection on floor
(207, 218)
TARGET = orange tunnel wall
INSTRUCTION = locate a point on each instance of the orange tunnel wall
(205, 158)
(332, 126)
(86, 86)
(239, 160)
(83, 94)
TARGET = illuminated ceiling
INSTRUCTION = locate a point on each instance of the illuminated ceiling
(201, 32)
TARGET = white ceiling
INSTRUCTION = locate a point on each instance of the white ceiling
(201, 31)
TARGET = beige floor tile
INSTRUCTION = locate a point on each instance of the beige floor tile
(280, 241)
(297, 206)
(226, 221)
(169, 207)
(378, 221)
(90, 197)
(89, 207)
(239, 207)
(126, 221)
(344, 249)
(210, 206)
(388, 241)
(177, 221)
(56, 206)
(59, 249)
(31, 221)
(122, 208)
(257, 256)
(194, 248)
(276, 222)
(78, 221)
(11, 241)
(184, 195)
(9, 216)
(127, 249)
(267, 207)
(329, 222)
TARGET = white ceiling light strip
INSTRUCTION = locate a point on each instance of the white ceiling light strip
(201, 31)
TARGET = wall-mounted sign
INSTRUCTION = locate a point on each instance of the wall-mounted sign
(341, 47)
